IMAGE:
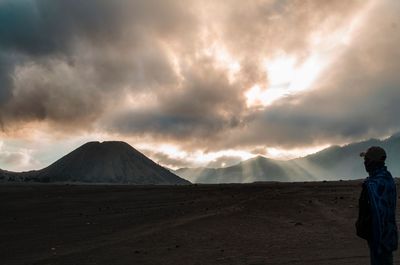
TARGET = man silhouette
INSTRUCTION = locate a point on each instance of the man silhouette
(377, 208)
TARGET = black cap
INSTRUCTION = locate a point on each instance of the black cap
(374, 153)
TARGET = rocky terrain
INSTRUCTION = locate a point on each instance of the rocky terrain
(232, 224)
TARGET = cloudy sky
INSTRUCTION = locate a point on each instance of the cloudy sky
(198, 82)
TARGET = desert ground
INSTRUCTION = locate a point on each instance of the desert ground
(260, 223)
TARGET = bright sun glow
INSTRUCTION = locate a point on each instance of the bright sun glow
(285, 154)
(280, 71)
(285, 76)
(288, 74)
(283, 72)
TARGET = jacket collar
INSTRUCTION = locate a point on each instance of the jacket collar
(376, 171)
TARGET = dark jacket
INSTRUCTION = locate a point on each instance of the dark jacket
(382, 197)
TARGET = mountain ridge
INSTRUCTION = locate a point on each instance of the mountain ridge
(332, 163)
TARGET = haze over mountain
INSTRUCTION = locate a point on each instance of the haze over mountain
(118, 162)
(333, 163)
(106, 162)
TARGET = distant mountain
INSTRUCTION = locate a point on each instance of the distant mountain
(333, 163)
(3, 175)
(106, 162)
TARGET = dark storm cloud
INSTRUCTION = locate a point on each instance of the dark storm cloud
(6, 64)
(38, 27)
(204, 105)
(65, 62)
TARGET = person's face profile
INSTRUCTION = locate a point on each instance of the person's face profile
(366, 162)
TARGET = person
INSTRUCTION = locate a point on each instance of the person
(377, 208)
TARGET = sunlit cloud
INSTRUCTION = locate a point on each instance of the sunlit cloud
(223, 60)
(290, 74)
(17, 158)
(167, 154)
(286, 154)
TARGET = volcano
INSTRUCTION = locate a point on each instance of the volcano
(106, 162)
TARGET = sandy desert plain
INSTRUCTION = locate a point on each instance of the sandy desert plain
(254, 224)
